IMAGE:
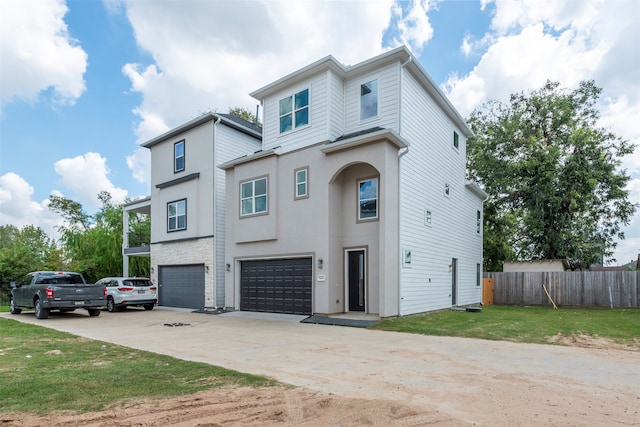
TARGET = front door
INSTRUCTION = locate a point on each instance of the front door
(356, 279)
(454, 281)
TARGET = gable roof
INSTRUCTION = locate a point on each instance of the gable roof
(233, 122)
(400, 54)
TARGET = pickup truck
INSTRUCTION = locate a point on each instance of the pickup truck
(56, 290)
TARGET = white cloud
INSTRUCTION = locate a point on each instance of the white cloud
(19, 209)
(414, 28)
(532, 41)
(140, 164)
(211, 55)
(86, 176)
(38, 54)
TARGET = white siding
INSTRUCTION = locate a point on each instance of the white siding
(229, 145)
(315, 132)
(432, 162)
(388, 98)
(336, 106)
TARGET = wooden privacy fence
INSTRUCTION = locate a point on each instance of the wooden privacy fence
(569, 288)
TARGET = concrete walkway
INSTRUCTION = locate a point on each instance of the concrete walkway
(488, 382)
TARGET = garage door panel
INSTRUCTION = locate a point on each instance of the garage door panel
(181, 286)
(276, 286)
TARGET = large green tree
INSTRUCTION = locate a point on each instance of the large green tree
(93, 243)
(553, 177)
(24, 250)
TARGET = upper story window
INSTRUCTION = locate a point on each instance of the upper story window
(369, 100)
(478, 222)
(253, 197)
(294, 111)
(177, 215)
(178, 156)
(456, 142)
(302, 183)
(368, 199)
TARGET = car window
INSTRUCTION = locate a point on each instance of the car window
(138, 282)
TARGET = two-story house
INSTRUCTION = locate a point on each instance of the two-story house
(187, 207)
(357, 200)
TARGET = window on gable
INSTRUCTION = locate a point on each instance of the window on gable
(294, 111)
(302, 183)
(368, 199)
(456, 142)
(369, 100)
(177, 215)
(178, 156)
(478, 222)
(253, 197)
(447, 190)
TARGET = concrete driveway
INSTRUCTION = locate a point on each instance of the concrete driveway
(485, 382)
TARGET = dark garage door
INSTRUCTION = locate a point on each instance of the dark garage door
(181, 286)
(276, 285)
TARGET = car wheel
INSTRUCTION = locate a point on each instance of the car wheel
(93, 312)
(148, 306)
(41, 312)
(13, 309)
(111, 305)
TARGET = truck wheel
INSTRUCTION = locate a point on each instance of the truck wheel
(41, 312)
(13, 309)
(111, 305)
(148, 306)
(93, 312)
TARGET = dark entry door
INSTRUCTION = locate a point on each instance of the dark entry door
(356, 265)
(454, 281)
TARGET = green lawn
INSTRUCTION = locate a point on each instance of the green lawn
(43, 370)
(523, 324)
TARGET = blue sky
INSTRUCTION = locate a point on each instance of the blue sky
(84, 82)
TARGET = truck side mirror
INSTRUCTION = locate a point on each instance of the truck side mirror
(13, 285)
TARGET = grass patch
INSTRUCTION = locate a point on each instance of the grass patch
(43, 370)
(522, 324)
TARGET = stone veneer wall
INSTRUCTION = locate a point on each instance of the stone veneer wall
(189, 252)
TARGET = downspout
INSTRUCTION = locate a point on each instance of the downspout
(215, 219)
(400, 156)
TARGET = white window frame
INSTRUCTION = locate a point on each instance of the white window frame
(376, 198)
(360, 96)
(176, 157)
(294, 111)
(298, 183)
(478, 222)
(177, 215)
(456, 141)
(253, 197)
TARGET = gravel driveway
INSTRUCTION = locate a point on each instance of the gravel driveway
(475, 381)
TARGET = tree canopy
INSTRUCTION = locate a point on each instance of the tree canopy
(553, 177)
(245, 114)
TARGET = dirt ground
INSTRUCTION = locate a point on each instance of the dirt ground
(505, 401)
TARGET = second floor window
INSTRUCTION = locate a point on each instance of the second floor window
(294, 111)
(368, 199)
(301, 183)
(177, 215)
(369, 100)
(178, 156)
(253, 197)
